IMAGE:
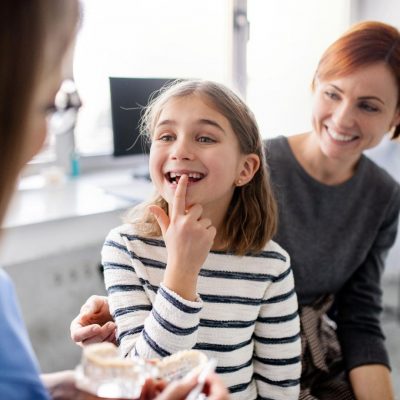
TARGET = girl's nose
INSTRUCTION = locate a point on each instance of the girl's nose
(182, 150)
(343, 116)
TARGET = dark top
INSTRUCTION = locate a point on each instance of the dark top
(338, 238)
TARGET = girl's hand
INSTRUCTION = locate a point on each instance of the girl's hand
(94, 323)
(188, 238)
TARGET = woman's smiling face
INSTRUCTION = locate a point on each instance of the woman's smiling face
(352, 113)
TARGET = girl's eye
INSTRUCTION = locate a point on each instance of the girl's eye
(332, 95)
(165, 138)
(368, 107)
(205, 139)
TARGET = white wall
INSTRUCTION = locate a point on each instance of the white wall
(383, 10)
(287, 38)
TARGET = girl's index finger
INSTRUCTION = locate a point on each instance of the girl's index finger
(179, 206)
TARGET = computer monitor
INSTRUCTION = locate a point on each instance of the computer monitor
(128, 97)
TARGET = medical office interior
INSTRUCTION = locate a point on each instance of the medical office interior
(93, 167)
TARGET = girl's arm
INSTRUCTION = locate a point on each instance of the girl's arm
(152, 321)
(169, 323)
(158, 321)
(277, 359)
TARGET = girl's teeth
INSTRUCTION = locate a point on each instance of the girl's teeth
(194, 175)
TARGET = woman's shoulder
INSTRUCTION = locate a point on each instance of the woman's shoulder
(378, 177)
(18, 368)
(278, 142)
(278, 153)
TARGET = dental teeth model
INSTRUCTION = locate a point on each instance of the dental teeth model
(104, 373)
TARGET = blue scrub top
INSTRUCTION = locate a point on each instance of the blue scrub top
(19, 372)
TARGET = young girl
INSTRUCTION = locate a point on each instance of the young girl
(197, 268)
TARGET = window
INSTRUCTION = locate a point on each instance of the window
(145, 38)
(287, 38)
(200, 39)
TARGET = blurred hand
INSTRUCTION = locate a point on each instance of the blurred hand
(94, 323)
(177, 390)
(61, 386)
(149, 392)
(215, 389)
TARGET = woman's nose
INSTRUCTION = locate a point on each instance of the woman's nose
(343, 116)
(182, 150)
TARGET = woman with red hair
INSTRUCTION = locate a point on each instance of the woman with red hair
(339, 213)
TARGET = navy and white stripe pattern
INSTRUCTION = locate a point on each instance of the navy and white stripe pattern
(245, 316)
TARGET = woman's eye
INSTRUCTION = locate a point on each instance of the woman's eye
(205, 139)
(332, 95)
(368, 107)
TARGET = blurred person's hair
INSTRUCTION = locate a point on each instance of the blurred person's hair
(30, 33)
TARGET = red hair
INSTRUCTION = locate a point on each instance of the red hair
(363, 44)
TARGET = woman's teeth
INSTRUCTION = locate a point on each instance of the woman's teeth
(339, 137)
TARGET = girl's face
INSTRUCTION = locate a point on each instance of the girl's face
(192, 138)
(353, 113)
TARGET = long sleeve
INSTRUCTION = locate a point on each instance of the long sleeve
(277, 361)
(360, 302)
(152, 322)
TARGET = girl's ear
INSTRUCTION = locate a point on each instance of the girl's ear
(249, 166)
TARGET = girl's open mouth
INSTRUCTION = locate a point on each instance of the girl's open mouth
(173, 177)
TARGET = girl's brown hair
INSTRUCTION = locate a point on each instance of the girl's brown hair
(363, 44)
(25, 30)
(251, 219)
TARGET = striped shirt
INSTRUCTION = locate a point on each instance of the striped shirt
(245, 316)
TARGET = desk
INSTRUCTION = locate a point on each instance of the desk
(46, 219)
